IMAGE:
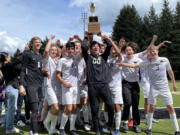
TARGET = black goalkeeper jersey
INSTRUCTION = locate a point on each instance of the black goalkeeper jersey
(31, 73)
(97, 70)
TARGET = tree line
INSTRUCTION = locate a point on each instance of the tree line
(130, 25)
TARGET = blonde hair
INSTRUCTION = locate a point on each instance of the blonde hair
(33, 39)
(152, 47)
(58, 49)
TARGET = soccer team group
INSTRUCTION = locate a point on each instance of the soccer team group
(83, 74)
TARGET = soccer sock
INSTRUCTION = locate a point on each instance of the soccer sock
(44, 113)
(100, 109)
(53, 122)
(85, 113)
(49, 117)
(150, 117)
(146, 116)
(89, 110)
(72, 121)
(106, 116)
(117, 120)
(59, 117)
(63, 120)
(174, 121)
(130, 113)
(78, 113)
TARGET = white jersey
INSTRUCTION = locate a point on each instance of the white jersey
(143, 72)
(157, 72)
(69, 69)
(115, 74)
(130, 74)
(52, 82)
(81, 67)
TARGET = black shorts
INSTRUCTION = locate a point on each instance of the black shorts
(34, 94)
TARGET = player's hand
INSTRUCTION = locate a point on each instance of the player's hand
(45, 69)
(84, 82)
(52, 36)
(155, 37)
(58, 41)
(22, 91)
(174, 87)
(3, 95)
(118, 64)
(68, 85)
(26, 47)
(71, 38)
(76, 36)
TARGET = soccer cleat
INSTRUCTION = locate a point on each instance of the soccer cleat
(28, 122)
(54, 131)
(30, 132)
(177, 133)
(20, 123)
(62, 132)
(149, 132)
(14, 130)
(116, 132)
(137, 129)
(125, 126)
(154, 121)
(86, 127)
(105, 128)
(73, 132)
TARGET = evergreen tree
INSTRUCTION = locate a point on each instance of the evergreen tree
(127, 25)
(166, 21)
(177, 16)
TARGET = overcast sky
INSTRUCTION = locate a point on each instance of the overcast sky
(22, 19)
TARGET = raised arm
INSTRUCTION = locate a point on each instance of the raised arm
(84, 48)
(78, 38)
(152, 43)
(117, 49)
(48, 45)
(171, 75)
(163, 44)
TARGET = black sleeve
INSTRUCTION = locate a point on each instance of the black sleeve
(108, 49)
(84, 49)
(25, 61)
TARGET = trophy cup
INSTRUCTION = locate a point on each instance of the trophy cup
(93, 25)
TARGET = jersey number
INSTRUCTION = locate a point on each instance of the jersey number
(96, 61)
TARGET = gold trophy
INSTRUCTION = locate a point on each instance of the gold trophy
(93, 25)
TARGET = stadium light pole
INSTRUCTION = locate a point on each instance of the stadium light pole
(84, 18)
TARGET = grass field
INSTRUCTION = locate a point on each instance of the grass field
(164, 127)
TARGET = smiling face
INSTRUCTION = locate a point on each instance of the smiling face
(129, 52)
(153, 53)
(95, 49)
(77, 47)
(53, 52)
(36, 44)
(70, 51)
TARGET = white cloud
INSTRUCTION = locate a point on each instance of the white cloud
(108, 10)
(10, 44)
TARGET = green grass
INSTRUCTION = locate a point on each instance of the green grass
(176, 98)
(164, 127)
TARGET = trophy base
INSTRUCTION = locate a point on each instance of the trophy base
(93, 27)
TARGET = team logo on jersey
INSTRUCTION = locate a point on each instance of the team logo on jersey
(161, 61)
